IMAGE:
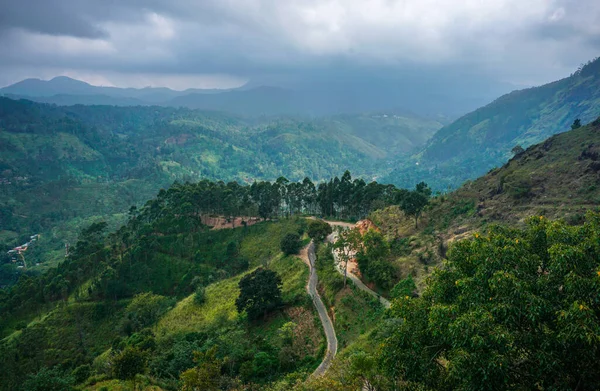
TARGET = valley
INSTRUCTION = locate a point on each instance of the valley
(253, 239)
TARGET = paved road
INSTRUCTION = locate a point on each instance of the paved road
(386, 303)
(311, 288)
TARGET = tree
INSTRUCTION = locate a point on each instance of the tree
(576, 124)
(200, 295)
(318, 230)
(517, 150)
(49, 380)
(513, 309)
(260, 292)
(206, 376)
(347, 243)
(128, 363)
(290, 244)
(413, 204)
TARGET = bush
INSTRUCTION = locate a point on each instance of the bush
(129, 363)
(200, 296)
(290, 244)
(81, 373)
(260, 293)
(144, 310)
(49, 380)
(405, 287)
(318, 230)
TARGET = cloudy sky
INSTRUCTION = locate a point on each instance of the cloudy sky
(225, 43)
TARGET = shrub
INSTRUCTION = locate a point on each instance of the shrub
(49, 380)
(200, 296)
(290, 244)
(318, 230)
(405, 287)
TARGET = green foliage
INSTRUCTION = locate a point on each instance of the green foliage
(374, 261)
(200, 295)
(144, 310)
(404, 288)
(63, 167)
(415, 201)
(290, 244)
(49, 380)
(260, 293)
(318, 230)
(513, 309)
(81, 373)
(576, 124)
(128, 363)
(206, 375)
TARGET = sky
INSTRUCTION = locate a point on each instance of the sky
(226, 43)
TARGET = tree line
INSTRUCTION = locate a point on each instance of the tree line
(341, 198)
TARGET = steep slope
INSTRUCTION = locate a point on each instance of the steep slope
(135, 288)
(484, 138)
(557, 179)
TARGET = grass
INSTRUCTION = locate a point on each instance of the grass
(219, 308)
(353, 311)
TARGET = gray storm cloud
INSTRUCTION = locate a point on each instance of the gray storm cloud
(230, 41)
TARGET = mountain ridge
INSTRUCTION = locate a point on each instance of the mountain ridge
(483, 139)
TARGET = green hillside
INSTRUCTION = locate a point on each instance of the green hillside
(62, 168)
(500, 273)
(165, 285)
(134, 289)
(483, 139)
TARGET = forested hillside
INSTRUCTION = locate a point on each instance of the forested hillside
(483, 139)
(62, 168)
(168, 283)
(499, 274)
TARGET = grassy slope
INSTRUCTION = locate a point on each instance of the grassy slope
(558, 178)
(76, 330)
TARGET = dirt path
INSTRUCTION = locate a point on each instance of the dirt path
(307, 254)
(357, 281)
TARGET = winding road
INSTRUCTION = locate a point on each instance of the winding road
(309, 257)
(354, 278)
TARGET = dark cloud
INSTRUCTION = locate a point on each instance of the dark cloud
(417, 43)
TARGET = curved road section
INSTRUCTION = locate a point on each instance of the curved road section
(357, 281)
(311, 288)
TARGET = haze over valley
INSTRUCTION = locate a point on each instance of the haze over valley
(299, 196)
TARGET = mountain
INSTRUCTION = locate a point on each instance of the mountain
(558, 179)
(64, 167)
(66, 86)
(147, 296)
(322, 97)
(483, 139)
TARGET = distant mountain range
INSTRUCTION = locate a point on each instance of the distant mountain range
(484, 138)
(313, 99)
